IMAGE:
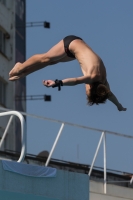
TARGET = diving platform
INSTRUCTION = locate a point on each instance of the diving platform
(16, 184)
(31, 177)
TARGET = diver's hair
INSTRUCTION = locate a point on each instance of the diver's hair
(98, 94)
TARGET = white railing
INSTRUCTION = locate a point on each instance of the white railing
(23, 132)
(102, 139)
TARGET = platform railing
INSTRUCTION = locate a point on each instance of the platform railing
(23, 132)
(102, 139)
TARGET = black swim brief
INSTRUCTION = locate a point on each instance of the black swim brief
(67, 40)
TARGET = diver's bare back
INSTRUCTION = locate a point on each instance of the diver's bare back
(90, 62)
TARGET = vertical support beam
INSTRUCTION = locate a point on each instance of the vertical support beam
(105, 165)
(99, 144)
(54, 145)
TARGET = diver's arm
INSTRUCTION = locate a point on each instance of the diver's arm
(79, 80)
(73, 81)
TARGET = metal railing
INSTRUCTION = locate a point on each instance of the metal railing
(23, 132)
(102, 139)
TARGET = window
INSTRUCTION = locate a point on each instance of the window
(2, 42)
(3, 2)
(2, 92)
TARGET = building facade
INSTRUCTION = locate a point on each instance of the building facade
(12, 50)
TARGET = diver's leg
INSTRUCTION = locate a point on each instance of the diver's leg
(38, 61)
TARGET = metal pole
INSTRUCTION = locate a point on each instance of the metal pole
(96, 153)
(105, 166)
(6, 130)
(54, 145)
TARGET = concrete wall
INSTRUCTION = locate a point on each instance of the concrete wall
(113, 192)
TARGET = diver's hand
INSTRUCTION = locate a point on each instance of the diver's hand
(120, 108)
(48, 83)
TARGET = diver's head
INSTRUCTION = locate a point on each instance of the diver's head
(99, 93)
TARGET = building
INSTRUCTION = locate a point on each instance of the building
(12, 50)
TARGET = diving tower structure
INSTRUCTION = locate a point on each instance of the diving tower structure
(27, 176)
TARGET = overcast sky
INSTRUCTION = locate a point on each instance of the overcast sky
(107, 26)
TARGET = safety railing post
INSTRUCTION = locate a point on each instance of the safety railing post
(99, 144)
(54, 145)
(105, 165)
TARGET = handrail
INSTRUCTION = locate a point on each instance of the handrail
(23, 132)
(72, 124)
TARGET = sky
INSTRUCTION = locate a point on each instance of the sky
(107, 27)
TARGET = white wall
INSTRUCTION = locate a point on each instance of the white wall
(114, 192)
